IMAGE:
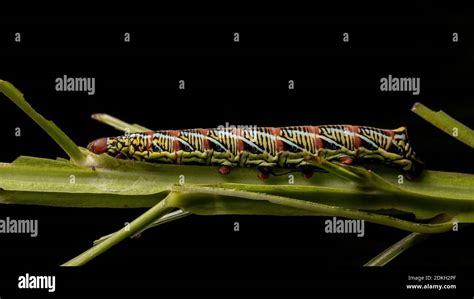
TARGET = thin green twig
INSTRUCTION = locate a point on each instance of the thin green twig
(172, 216)
(446, 123)
(396, 249)
(71, 149)
(137, 225)
(337, 170)
(118, 123)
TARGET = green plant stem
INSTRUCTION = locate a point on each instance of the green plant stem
(137, 225)
(118, 124)
(446, 123)
(114, 178)
(396, 249)
(177, 199)
(172, 216)
(338, 170)
(401, 246)
(318, 208)
(71, 149)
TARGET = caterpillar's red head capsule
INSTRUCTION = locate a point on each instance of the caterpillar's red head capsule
(98, 146)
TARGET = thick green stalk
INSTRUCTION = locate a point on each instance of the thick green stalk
(313, 207)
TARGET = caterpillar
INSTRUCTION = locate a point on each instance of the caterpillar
(266, 147)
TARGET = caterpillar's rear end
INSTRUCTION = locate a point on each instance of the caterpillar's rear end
(287, 147)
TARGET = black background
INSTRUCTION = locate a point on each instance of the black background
(239, 83)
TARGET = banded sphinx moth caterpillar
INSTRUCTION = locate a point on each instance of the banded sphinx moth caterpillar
(266, 147)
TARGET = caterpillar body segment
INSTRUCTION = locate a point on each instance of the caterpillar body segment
(266, 147)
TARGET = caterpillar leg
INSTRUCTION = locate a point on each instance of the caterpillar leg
(225, 169)
(346, 160)
(120, 155)
(264, 172)
(306, 170)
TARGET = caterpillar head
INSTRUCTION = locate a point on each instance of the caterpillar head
(408, 160)
(98, 146)
(107, 145)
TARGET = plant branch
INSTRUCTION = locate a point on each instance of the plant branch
(446, 123)
(118, 124)
(71, 149)
(172, 216)
(404, 244)
(396, 249)
(318, 208)
(137, 225)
